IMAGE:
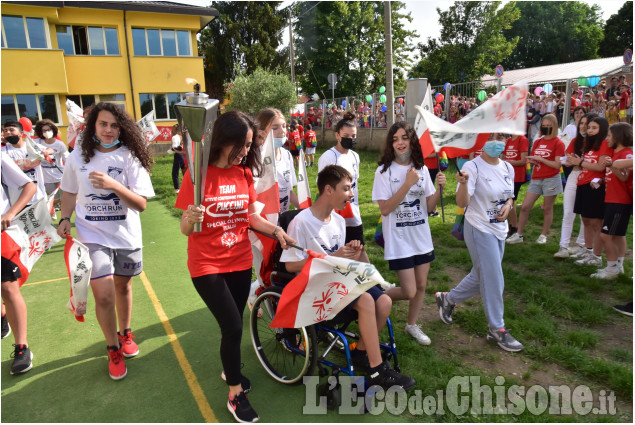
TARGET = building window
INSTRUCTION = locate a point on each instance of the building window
(81, 40)
(163, 42)
(19, 32)
(33, 106)
(161, 103)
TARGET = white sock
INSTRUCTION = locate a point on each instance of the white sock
(620, 261)
(611, 264)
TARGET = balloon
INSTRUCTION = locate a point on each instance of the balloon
(382, 98)
(447, 86)
(582, 81)
(593, 80)
(383, 108)
(548, 88)
(382, 89)
(401, 100)
(27, 125)
(343, 103)
(439, 98)
(369, 98)
(482, 95)
(329, 105)
(537, 90)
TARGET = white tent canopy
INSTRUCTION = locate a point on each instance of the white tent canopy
(564, 71)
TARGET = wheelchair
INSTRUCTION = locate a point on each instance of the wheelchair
(290, 354)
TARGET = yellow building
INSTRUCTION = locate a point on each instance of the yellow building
(136, 54)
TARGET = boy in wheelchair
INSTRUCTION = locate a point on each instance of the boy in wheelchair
(320, 229)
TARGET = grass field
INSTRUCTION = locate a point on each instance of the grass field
(564, 318)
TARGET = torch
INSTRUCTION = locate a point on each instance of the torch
(196, 116)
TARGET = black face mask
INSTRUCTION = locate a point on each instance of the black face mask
(545, 130)
(348, 142)
(12, 139)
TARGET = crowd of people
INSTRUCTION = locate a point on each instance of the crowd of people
(112, 161)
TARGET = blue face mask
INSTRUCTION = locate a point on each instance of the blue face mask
(494, 149)
(103, 145)
(278, 142)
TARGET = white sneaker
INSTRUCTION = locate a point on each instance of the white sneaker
(562, 253)
(575, 249)
(542, 239)
(580, 254)
(416, 332)
(514, 239)
(607, 273)
(590, 260)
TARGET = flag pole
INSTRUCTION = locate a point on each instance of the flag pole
(273, 237)
(441, 189)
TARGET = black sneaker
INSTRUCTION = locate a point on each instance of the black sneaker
(433, 214)
(22, 357)
(241, 409)
(359, 358)
(6, 329)
(244, 382)
(385, 377)
(445, 308)
(504, 340)
(626, 309)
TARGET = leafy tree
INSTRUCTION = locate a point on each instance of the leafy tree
(471, 42)
(554, 32)
(245, 35)
(347, 38)
(250, 92)
(618, 32)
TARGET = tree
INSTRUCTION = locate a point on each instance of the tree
(347, 38)
(554, 32)
(471, 42)
(251, 92)
(618, 32)
(245, 35)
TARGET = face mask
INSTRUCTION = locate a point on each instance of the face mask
(545, 130)
(404, 157)
(47, 134)
(12, 139)
(348, 142)
(442, 117)
(278, 142)
(103, 145)
(494, 148)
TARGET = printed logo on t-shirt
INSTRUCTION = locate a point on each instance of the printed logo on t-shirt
(229, 239)
(106, 207)
(283, 202)
(286, 175)
(330, 250)
(114, 172)
(410, 214)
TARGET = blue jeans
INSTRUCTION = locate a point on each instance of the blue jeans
(486, 276)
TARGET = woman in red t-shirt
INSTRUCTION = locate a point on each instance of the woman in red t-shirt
(618, 200)
(589, 197)
(219, 257)
(545, 179)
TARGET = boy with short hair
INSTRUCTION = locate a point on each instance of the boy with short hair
(322, 230)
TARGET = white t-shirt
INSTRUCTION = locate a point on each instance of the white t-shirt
(101, 216)
(350, 161)
(21, 158)
(489, 186)
(406, 229)
(316, 235)
(286, 178)
(52, 174)
(12, 178)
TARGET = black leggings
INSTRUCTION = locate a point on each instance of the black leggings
(178, 164)
(225, 294)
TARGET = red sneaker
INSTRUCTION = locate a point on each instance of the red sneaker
(128, 347)
(116, 366)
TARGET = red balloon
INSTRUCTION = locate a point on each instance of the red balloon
(439, 98)
(401, 100)
(27, 125)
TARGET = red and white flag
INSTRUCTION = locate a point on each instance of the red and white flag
(503, 113)
(79, 266)
(268, 201)
(304, 193)
(323, 288)
(148, 127)
(30, 234)
(75, 121)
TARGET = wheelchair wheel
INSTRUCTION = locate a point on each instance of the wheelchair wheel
(286, 354)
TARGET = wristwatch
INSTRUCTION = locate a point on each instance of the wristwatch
(63, 219)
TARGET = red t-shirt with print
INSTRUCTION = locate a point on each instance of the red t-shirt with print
(513, 149)
(294, 137)
(223, 244)
(550, 150)
(592, 157)
(309, 136)
(617, 191)
(623, 101)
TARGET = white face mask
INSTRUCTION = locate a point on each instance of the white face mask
(48, 134)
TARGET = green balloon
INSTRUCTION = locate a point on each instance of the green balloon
(382, 98)
(330, 105)
(369, 98)
(482, 95)
(582, 81)
(382, 89)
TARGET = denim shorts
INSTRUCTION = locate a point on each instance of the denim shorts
(550, 186)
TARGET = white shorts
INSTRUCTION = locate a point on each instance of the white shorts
(309, 151)
(120, 262)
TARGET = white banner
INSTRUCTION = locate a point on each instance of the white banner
(148, 127)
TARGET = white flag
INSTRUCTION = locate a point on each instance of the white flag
(148, 127)
(79, 266)
(304, 192)
(75, 121)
